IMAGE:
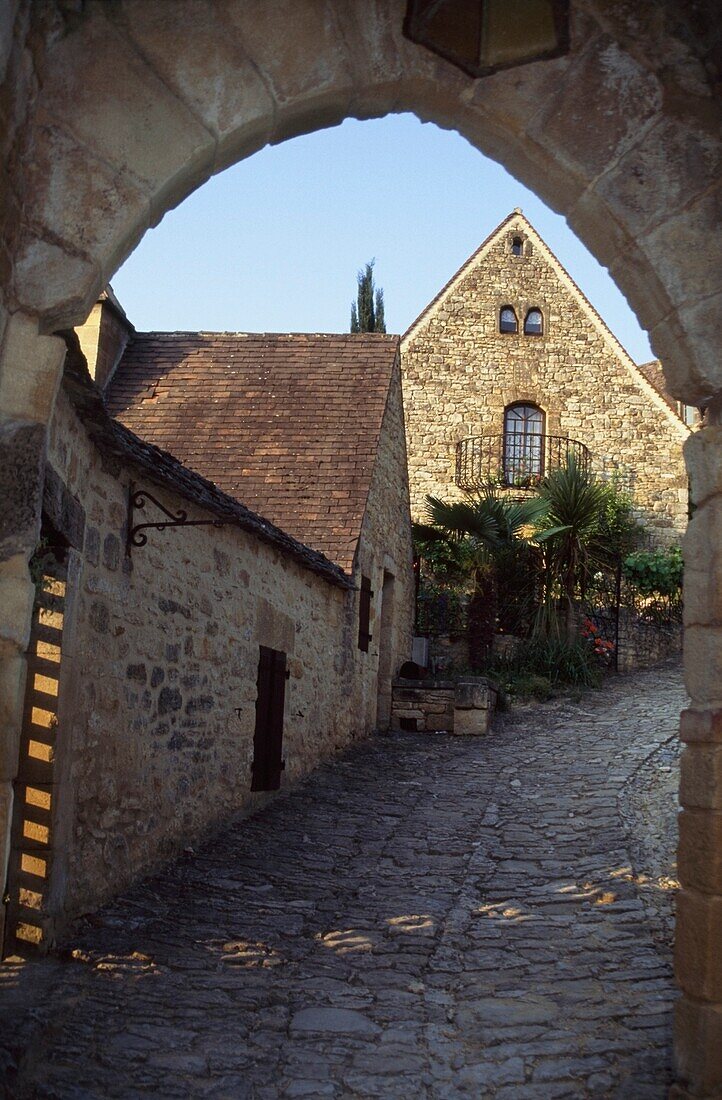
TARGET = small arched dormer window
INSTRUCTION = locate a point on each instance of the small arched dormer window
(507, 320)
(517, 246)
(523, 444)
(534, 323)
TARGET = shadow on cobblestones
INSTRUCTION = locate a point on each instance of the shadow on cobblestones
(424, 917)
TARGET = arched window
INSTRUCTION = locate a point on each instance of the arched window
(523, 444)
(507, 320)
(517, 246)
(534, 323)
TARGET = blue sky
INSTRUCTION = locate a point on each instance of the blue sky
(274, 243)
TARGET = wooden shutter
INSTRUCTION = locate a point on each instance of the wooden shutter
(268, 760)
(364, 615)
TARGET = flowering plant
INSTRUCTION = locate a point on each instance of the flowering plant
(599, 646)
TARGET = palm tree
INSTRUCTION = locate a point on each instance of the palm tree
(479, 532)
(575, 508)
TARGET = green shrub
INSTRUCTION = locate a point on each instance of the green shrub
(530, 686)
(655, 572)
(554, 660)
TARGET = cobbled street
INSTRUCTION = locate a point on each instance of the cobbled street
(424, 917)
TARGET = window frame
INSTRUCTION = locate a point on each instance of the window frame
(517, 456)
(508, 331)
(529, 312)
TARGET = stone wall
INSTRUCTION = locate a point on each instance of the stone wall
(460, 373)
(385, 554)
(425, 707)
(156, 714)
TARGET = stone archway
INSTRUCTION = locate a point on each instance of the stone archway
(115, 112)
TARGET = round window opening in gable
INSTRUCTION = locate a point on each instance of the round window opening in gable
(534, 323)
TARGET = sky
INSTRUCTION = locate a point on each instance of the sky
(274, 243)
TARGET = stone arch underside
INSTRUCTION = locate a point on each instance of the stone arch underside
(115, 112)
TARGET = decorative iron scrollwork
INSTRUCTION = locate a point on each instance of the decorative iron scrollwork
(139, 498)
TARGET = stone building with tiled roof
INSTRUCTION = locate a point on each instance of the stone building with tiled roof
(288, 423)
(225, 588)
(510, 368)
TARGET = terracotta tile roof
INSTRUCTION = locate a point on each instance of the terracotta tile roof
(116, 441)
(288, 424)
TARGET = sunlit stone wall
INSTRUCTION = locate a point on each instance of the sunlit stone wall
(157, 708)
(460, 372)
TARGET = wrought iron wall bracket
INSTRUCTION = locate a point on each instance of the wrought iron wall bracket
(138, 499)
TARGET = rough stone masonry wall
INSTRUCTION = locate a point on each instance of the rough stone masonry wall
(460, 372)
(385, 546)
(155, 736)
(426, 707)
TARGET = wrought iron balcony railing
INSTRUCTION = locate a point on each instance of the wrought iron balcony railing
(514, 460)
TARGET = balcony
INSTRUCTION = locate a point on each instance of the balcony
(516, 461)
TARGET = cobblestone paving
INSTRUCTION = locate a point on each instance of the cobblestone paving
(427, 917)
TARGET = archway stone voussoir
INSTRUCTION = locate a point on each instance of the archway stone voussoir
(686, 251)
(78, 198)
(308, 115)
(636, 278)
(681, 356)
(100, 89)
(702, 326)
(598, 110)
(379, 57)
(203, 61)
(59, 288)
(670, 164)
(309, 60)
(606, 237)
(522, 157)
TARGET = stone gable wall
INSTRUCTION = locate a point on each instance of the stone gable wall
(460, 372)
(157, 706)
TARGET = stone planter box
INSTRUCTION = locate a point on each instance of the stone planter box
(433, 706)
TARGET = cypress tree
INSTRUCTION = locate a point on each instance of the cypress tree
(380, 320)
(367, 312)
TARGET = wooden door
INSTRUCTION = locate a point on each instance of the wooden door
(268, 762)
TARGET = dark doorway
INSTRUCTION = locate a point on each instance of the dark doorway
(268, 760)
